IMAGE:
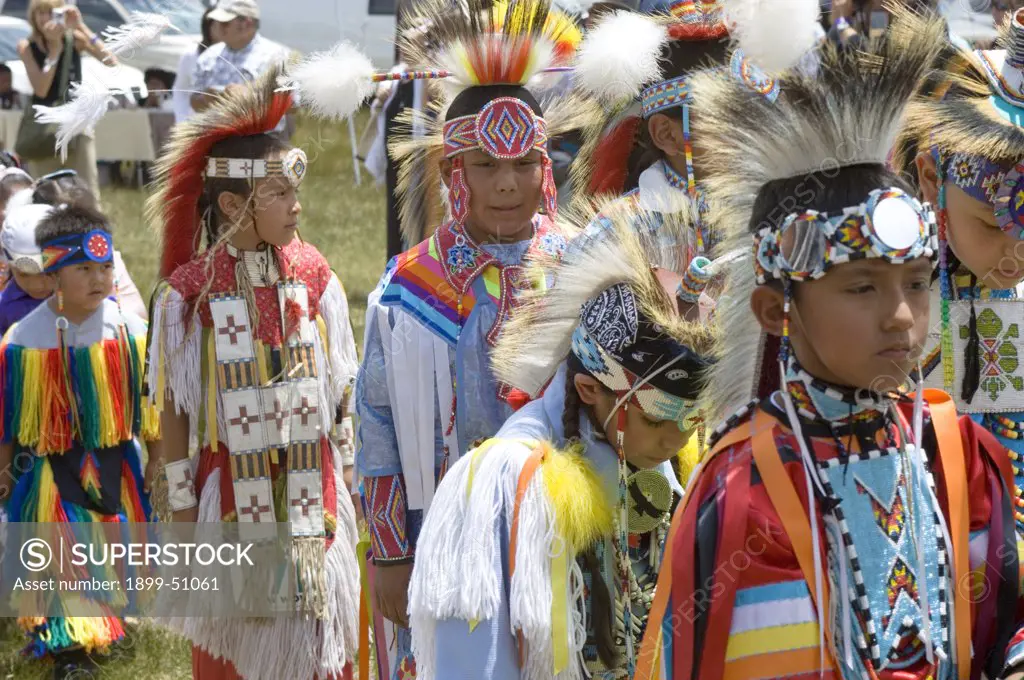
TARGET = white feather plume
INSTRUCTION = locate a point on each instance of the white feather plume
(333, 84)
(774, 34)
(142, 29)
(86, 105)
(619, 56)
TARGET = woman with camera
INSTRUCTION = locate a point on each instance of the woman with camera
(53, 62)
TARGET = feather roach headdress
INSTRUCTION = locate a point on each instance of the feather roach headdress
(616, 252)
(484, 55)
(848, 114)
(186, 162)
(637, 65)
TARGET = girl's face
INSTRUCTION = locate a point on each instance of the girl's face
(85, 285)
(974, 235)
(276, 210)
(647, 442)
(38, 286)
(270, 214)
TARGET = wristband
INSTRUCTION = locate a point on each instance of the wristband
(181, 488)
(94, 39)
(841, 24)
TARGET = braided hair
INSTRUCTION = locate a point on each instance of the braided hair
(602, 611)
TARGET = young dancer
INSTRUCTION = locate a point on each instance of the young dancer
(72, 371)
(253, 356)
(539, 555)
(838, 526)
(963, 141)
(426, 391)
(28, 285)
(641, 64)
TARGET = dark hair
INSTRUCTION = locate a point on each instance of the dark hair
(4, 68)
(71, 219)
(165, 77)
(206, 28)
(11, 184)
(601, 599)
(472, 99)
(66, 187)
(251, 147)
(824, 190)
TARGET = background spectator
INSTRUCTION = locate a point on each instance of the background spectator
(9, 99)
(41, 52)
(183, 84)
(243, 55)
(159, 84)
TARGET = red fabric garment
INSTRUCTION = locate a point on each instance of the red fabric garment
(750, 548)
(297, 260)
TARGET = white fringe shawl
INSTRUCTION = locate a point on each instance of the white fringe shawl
(454, 576)
(180, 351)
(341, 342)
(296, 647)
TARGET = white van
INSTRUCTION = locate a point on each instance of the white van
(313, 25)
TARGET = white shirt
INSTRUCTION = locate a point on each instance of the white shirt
(182, 97)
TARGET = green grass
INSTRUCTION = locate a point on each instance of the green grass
(347, 224)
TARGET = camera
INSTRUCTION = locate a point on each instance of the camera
(58, 15)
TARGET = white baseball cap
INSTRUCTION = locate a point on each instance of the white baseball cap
(227, 10)
(18, 237)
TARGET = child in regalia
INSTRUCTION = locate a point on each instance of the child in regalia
(426, 391)
(539, 555)
(964, 141)
(78, 348)
(252, 354)
(839, 526)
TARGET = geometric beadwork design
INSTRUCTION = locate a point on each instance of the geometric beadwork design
(875, 525)
(386, 504)
(1000, 350)
(505, 128)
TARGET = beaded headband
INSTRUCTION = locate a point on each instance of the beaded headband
(676, 91)
(506, 128)
(891, 225)
(292, 167)
(95, 246)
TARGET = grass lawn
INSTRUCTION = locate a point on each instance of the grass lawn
(347, 224)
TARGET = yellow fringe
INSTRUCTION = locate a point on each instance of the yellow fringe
(101, 378)
(211, 391)
(688, 457)
(159, 356)
(577, 496)
(31, 406)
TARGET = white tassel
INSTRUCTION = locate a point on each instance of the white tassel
(87, 104)
(812, 481)
(774, 34)
(333, 84)
(141, 30)
(620, 56)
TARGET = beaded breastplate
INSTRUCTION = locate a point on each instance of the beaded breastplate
(887, 564)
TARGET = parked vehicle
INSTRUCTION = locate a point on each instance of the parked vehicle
(12, 30)
(314, 25)
(100, 15)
